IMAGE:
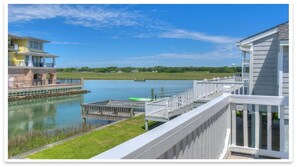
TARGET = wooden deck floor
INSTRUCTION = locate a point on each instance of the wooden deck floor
(239, 156)
(245, 156)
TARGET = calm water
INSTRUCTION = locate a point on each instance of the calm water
(63, 111)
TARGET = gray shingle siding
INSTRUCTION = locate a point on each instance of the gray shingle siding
(265, 65)
(284, 32)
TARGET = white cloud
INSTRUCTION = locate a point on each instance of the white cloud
(212, 58)
(115, 37)
(102, 16)
(116, 62)
(221, 52)
(68, 43)
(184, 34)
(88, 16)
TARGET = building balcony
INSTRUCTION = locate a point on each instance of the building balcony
(13, 47)
(212, 130)
(23, 64)
(17, 63)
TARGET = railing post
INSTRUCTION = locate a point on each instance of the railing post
(269, 128)
(233, 128)
(281, 129)
(257, 127)
(204, 88)
(145, 109)
(226, 90)
(195, 89)
(145, 114)
(167, 108)
(81, 81)
(245, 126)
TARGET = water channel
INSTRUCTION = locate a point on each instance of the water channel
(64, 111)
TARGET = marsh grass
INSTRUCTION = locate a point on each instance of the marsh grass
(142, 76)
(38, 138)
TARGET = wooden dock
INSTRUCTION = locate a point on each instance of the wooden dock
(111, 109)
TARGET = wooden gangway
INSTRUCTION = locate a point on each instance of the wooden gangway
(111, 109)
(166, 108)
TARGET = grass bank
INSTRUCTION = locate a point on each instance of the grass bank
(142, 75)
(35, 139)
(95, 142)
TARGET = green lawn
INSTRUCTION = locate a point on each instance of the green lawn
(143, 75)
(96, 142)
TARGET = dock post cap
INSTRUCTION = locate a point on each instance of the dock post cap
(227, 90)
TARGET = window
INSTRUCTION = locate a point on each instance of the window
(35, 45)
(31, 44)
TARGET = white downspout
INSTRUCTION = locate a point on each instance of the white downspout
(280, 70)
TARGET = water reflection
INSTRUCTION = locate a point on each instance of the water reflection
(64, 111)
(38, 114)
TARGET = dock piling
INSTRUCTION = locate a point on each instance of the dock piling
(146, 125)
(152, 94)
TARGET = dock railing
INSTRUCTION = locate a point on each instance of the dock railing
(160, 110)
(70, 81)
(89, 110)
(206, 132)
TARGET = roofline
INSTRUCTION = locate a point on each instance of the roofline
(253, 37)
(28, 37)
(14, 36)
(37, 39)
(41, 54)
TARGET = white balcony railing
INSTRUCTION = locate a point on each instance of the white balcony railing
(207, 132)
(164, 109)
(22, 63)
(17, 63)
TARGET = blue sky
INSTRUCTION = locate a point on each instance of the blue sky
(143, 35)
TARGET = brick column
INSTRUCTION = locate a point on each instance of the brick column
(44, 79)
(54, 78)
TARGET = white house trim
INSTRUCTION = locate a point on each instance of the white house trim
(284, 43)
(280, 67)
(251, 71)
(259, 36)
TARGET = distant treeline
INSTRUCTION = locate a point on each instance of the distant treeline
(159, 69)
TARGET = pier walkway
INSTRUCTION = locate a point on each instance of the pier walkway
(203, 91)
